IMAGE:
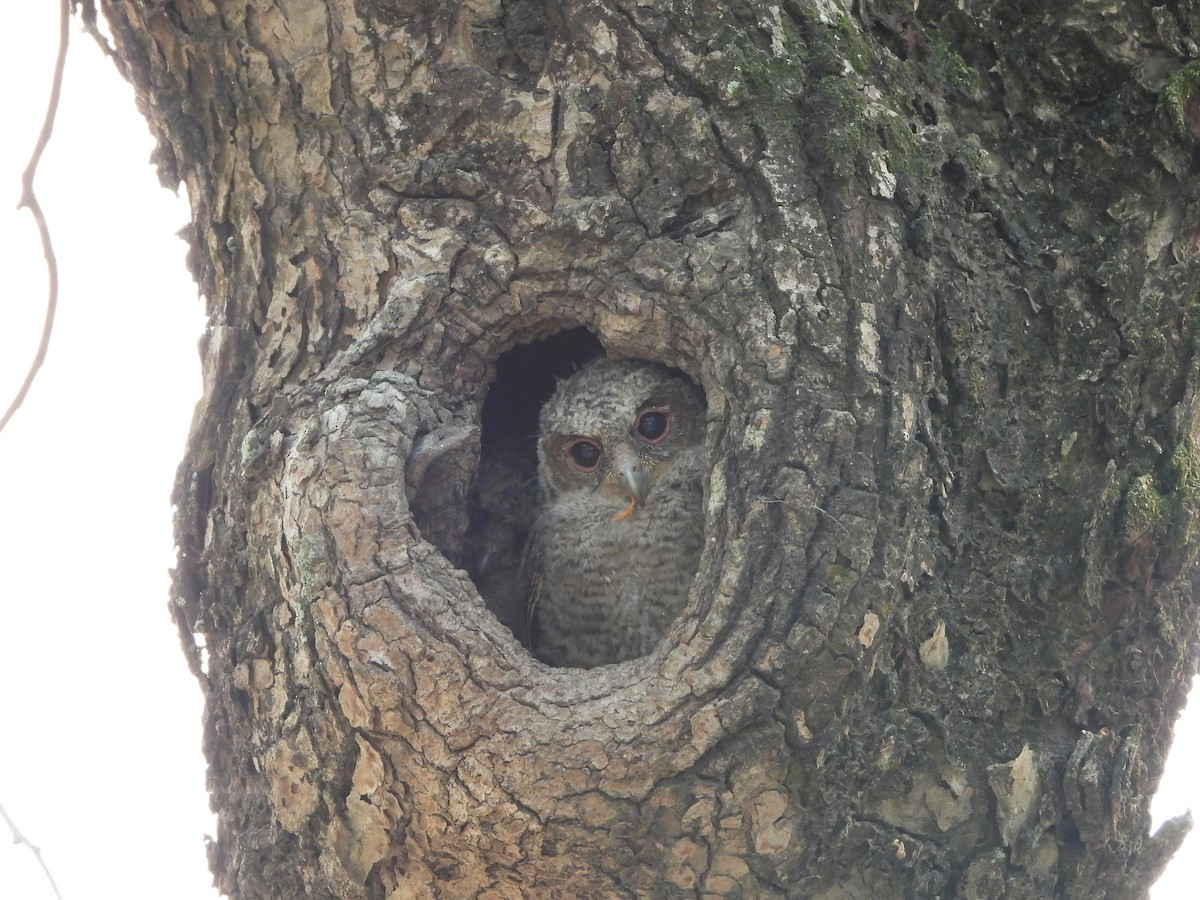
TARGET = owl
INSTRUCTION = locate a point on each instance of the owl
(618, 532)
(503, 503)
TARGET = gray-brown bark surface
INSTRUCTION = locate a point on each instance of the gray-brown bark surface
(936, 272)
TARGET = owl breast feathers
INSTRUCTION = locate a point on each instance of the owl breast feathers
(618, 533)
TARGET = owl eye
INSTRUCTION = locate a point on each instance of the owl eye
(584, 454)
(652, 424)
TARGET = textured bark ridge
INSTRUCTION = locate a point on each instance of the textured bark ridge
(936, 272)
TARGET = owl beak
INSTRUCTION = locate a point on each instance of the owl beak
(633, 475)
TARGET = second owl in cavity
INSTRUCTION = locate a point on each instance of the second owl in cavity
(618, 533)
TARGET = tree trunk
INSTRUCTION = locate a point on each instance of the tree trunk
(935, 270)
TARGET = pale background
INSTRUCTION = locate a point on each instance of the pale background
(100, 761)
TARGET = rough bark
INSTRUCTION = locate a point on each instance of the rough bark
(936, 272)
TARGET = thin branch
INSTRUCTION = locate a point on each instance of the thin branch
(29, 201)
(87, 17)
(19, 838)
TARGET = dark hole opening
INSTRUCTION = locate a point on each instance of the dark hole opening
(526, 376)
(588, 562)
(504, 499)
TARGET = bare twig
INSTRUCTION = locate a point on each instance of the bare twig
(19, 838)
(29, 201)
(87, 17)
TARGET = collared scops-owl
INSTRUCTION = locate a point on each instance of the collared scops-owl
(619, 528)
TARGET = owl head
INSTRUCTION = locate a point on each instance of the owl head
(613, 429)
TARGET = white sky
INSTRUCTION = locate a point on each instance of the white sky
(100, 761)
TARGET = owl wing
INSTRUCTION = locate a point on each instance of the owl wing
(503, 501)
(533, 571)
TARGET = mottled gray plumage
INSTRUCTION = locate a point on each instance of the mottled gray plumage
(503, 505)
(615, 544)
